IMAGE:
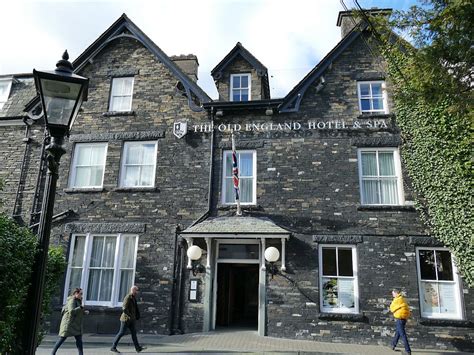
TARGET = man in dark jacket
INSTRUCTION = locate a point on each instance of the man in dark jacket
(128, 319)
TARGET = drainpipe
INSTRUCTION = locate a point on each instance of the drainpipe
(39, 186)
(16, 213)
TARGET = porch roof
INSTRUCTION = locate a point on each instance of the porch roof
(236, 225)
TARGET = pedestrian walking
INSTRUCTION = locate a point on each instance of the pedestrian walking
(128, 319)
(401, 312)
(71, 321)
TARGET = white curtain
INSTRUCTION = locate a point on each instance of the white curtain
(128, 261)
(101, 271)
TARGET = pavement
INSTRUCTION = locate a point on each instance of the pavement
(222, 342)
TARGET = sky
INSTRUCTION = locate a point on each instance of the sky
(289, 37)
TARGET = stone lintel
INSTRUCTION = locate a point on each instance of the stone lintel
(338, 239)
(424, 241)
(105, 137)
(242, 144)
(392, 141)
(105, 227)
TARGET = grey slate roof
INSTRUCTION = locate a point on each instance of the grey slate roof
(21, 92)
(236, 225)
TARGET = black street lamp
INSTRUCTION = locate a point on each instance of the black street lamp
(62, 94)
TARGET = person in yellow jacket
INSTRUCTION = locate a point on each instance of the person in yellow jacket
(401, 311)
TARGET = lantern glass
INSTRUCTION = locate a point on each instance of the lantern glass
(272, 254)
(60, 99)
(194, 252)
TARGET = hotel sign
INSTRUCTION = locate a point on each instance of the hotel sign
(293, 126)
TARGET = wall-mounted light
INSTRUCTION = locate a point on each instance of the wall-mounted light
(194, 253)
(271, 256)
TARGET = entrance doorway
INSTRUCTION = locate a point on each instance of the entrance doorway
(237, 295)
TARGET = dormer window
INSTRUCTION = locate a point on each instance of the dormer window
(5, 86)
(240, 87)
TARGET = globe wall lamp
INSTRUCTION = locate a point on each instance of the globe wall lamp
(61, 93)
(194, 253)
(271, 256)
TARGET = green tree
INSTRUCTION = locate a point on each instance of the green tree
(17, 250)
(432, 90)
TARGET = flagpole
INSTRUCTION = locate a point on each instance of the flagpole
(235, 176)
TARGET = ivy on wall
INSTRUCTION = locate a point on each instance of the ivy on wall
(431, 85)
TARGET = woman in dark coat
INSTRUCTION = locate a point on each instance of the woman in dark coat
(71, 322)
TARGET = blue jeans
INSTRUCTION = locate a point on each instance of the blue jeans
(121, 333)
(61, 340)
(401, 333)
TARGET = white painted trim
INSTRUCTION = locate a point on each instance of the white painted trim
(86, 269)
(15, 122)
(283, 254)
(9, 82)
(456, 281)
(189, 241)
(232, 76)
(225, 153)
(384, 97)
(233, 261)
(398, 173)
(355, 277)
(236, 236)
(72, 176)
(131, 93)
(125, 153)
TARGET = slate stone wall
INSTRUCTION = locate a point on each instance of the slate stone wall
(181, 183)
(18, 145)
(308, 183)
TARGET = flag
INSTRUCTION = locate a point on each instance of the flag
(235, 176)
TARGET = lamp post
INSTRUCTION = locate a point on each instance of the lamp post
(61, 93)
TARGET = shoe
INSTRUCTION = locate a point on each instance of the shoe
(114, 350)
(141, 348)
(391, 347)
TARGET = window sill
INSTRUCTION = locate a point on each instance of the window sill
(350, 317)
(402, 208)
(373, 115)
(242, 207)
(79, 190)
(446, 322)
(118, 113)
(136, 189)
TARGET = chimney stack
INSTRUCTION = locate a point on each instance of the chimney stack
(347, 21)
(188, 63)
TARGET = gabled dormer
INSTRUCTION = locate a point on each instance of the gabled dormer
(241, 77)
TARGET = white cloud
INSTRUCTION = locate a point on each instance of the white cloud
(288, 37)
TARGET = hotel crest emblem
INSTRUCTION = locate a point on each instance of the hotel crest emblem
(180, 128)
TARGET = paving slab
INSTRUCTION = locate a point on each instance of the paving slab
(222, 342)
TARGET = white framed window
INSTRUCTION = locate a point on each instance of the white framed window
(438, 282)
(240, 87)
(338, 281)
(103, 265)
(380, 176)
(372, 97)
(5, 87)
(121, 94)
(88, 165)
(247, 165)
(138, 164)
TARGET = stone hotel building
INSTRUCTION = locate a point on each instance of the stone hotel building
(148, 174)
